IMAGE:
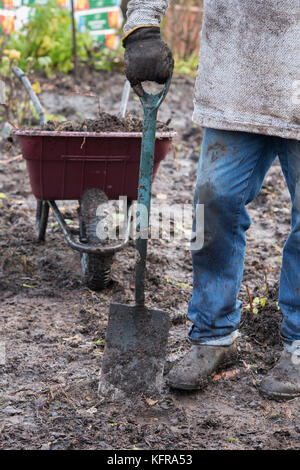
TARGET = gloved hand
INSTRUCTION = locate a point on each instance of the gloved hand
(147, 57)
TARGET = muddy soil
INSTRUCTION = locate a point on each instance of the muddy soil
(105, 122)
(52, 328)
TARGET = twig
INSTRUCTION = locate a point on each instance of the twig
(175, 155)
(12, 124)
(266, 282)
(75, 58)
(250, 301)
(77, 92)
(18, 157)
(83, 142)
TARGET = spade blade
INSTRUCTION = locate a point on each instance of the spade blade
(135, 350)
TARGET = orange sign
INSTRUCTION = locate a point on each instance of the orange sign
(113, 19)
(110, 40)
(82, 5)
(62, 3)
(7, 23)
(8, 4)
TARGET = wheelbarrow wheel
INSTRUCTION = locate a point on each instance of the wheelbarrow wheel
(41, 221)
(96, 269)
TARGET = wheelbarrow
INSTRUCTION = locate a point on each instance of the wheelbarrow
(91, 167)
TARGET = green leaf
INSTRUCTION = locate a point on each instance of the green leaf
(99, 341)
(183, 285)
(44, 61)
(263, 301)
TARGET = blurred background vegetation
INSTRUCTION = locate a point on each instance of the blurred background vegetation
(44, 43)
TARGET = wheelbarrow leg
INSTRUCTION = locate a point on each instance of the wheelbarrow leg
(42, 213)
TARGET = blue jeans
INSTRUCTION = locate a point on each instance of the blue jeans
(230, 174)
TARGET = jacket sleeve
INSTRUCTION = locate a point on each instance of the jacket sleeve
(144, 13)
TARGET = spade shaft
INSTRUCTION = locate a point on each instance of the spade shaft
(137, 336)
(144, 200)
(150, 105)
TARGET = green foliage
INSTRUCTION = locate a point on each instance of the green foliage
(103, 58)
(258, 303)
(45, 43)
(46, 40)
(187, 66)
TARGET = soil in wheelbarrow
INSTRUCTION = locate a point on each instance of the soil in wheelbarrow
(53, 328)
(104, 123)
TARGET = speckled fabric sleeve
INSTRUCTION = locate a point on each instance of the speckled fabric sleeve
(249, 69)
(145, 12)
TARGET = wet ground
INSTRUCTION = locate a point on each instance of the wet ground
(53, 328)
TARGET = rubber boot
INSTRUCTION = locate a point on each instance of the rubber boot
(197, 367)
(283, 382)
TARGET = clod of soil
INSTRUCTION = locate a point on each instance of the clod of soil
(105, 123)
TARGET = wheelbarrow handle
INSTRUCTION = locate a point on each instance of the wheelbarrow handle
(36, 102)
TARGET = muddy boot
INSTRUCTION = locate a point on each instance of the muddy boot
(283, 382)
(196, 368)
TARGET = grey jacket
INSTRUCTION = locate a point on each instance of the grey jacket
(249, 68)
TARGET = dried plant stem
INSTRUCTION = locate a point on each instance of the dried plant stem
(250, 301)
(266, 283)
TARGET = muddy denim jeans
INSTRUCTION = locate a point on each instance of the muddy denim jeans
(231, 171)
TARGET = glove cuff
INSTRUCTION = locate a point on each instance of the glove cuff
(124, 38)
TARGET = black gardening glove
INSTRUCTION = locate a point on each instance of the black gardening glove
(147, 57)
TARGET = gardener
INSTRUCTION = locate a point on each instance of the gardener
(246, 98)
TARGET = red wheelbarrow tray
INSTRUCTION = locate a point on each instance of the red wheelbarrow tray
(61, 165)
